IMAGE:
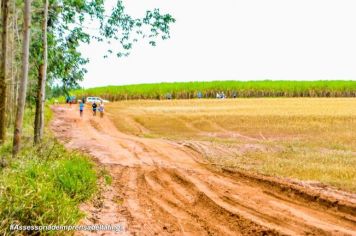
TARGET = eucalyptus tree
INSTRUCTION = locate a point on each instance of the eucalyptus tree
(24, 78)
(42, 77)
(3, 68)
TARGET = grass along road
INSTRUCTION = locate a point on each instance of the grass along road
(310, 139)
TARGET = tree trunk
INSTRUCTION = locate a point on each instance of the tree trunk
(10, 102)
(23, 81)
(11, 85)
(42, 77)
(3, 69)
(17, 73)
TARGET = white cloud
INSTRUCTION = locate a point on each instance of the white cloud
(238, 39)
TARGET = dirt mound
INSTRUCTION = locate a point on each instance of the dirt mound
(162, 187)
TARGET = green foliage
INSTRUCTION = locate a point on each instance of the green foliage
(45, 188)
(127, 30)
(68, 22)
(239, 88)
(68, 30)
(44, 184)
(77, 178)
(29, 198)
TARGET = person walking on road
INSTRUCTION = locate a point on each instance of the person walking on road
(94, 106)
(101, 109)
(81, 108)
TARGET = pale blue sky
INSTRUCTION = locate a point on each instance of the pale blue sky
(238, 40)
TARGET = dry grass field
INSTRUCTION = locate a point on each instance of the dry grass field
(310, 139)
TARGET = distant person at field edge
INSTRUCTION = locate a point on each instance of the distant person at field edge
(81, 108)
(70, 101)
(94, 106)
(101, 109)
(200, 95)
(220, 95)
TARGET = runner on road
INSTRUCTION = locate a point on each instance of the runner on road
(94, 106)
(81, 108)
(101, 109)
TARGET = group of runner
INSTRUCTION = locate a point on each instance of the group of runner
(95, 107)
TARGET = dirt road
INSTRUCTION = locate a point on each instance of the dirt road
(161, 187)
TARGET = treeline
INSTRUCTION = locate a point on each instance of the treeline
(40, 57)
(189, 90)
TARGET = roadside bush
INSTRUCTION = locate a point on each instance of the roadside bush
(45, 188)
(76, 177)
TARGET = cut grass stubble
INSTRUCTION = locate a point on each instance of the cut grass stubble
(311, 139)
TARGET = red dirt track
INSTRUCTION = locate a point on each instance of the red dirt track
(161, 188)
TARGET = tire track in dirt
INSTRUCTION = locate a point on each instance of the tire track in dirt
(164, 188)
